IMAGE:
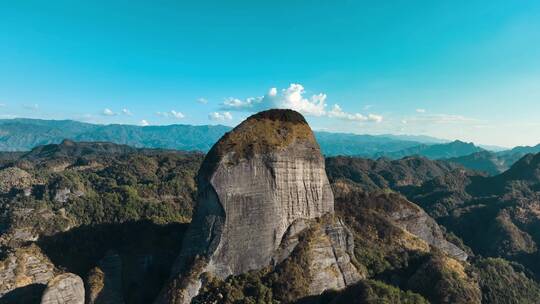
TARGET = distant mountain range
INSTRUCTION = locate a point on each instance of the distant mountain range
(24, 134)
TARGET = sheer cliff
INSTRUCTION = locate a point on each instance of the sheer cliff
(259, 186)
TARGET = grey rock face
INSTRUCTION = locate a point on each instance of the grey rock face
(259, 186)
(331, 247)
(261, 198)
(247, 204)
(419, 223)
(24, 267)
(67, 288)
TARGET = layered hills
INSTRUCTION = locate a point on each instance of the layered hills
(263, 219)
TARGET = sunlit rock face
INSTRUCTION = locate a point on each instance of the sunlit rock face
(255, 182)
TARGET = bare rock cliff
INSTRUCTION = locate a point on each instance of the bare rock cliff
(23, 267)
(255, 182)
(66, 288)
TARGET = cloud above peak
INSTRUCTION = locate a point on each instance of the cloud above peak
(294, 97)
(220, 116)
(289, 98)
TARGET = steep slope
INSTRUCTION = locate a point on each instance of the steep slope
(260, 187)
(496, 216)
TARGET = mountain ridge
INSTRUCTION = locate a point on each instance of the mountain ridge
(22, 134)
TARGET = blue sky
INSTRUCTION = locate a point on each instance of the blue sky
(466, 70)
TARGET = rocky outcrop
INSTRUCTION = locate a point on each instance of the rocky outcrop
(23, 267)
(14, 177)
(67, 288)
(399, 212)
(255, 184)
(417, 222)
(104, 282)
(329, 258)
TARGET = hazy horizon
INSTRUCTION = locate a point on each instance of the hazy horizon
(410, 137)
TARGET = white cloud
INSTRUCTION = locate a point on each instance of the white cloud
(171, 114)
(290, 98)
(2, 105)
(144, 123)
(177, 115)
(375, 118)
(337, 112)
(108, 112)
(250, 104)
(220, 116)
(202, 100)
(294, 97)
(126, 112)
(420, 110)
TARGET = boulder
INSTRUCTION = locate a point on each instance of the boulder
(67, 288)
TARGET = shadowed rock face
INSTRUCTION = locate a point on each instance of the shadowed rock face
(25, 266)
(66, 288)
(255, 182)
(105, 281)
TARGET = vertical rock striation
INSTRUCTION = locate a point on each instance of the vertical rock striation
(66, 288)
(23, 267)
(255, 182)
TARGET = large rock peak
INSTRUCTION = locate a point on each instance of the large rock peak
(254, 183)
(265, 132)
(257, 185)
